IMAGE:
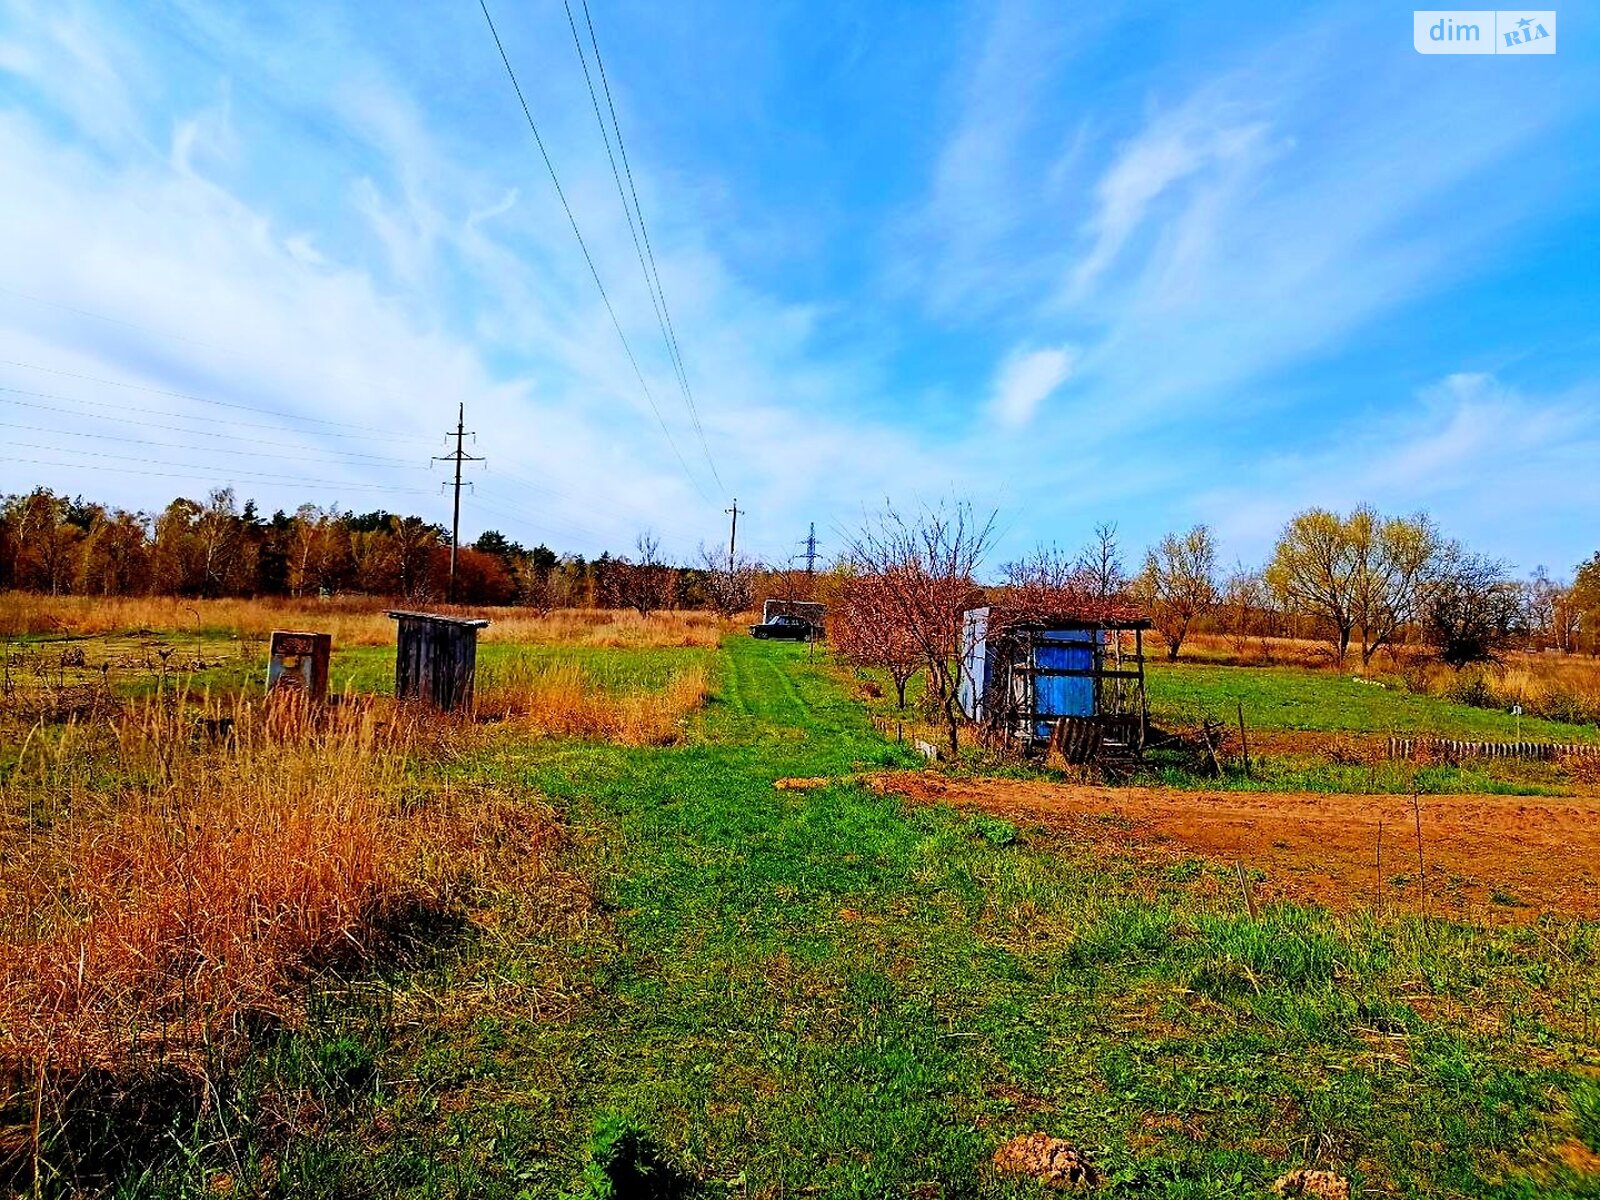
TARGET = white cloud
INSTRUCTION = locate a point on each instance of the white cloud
(1025, 380)
(1498, 467)
(355, 314)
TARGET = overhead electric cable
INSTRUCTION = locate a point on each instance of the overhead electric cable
(584, 246)
(265, 412)
(212, 476)
(652, 278)
(252, 452)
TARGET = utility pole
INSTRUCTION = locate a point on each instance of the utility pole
(811, 550)
(733, 533)
(458, 457)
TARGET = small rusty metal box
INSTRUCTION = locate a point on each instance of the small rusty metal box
(299, 663)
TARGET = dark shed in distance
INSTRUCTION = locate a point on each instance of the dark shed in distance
(436, 659)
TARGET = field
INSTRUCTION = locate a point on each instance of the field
(672, 970)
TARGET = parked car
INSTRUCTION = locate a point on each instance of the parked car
(794, 629)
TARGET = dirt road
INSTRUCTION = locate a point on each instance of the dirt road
(1502, 857)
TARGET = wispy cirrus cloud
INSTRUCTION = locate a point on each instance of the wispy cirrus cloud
(1483, 454)
(1026, 379)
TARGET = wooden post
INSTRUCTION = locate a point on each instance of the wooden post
(1244, 886)
(1380, 866)
(1422, 875)
(1244, 741)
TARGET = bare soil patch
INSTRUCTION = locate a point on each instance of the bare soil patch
(1504, 858)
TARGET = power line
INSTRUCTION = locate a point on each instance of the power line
(600, 509)
(584, 246)
(265, 412)
(212, 478)
(652, 278)
(118, 411)
(253, 452)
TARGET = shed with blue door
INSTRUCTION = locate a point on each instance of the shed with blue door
(1028, 679)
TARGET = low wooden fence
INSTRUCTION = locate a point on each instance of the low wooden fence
(1453, 748)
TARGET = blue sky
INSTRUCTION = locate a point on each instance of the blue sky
(1156, 264)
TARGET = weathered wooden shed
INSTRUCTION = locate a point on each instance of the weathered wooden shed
(1067, 675)
(436, 659)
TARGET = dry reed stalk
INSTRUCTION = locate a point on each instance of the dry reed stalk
(183, 885)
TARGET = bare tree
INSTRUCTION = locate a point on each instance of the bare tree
(1179, 583)
(927, 565)
(1047, 583)
(730, 586)
(647, 583)
(1099, 563)
(867, 631)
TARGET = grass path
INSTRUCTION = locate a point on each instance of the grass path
(823, 993)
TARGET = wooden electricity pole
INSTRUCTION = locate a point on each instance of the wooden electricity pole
(733, 533)
(458, 456)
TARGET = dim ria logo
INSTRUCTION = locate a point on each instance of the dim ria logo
(1485, 31)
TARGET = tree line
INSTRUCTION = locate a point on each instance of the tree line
(1364, 582)
(1360, 581)
(59, 545)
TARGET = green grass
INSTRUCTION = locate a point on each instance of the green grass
(1280, 773)
(774, 993)
(1294, 698)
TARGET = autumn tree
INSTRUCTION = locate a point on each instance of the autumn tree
(866, 630)
(115, 558)
(1363, 572)
(224, 557)
(319, 550)
(1178, 583)
(927, 564)
(44, 541)
(1584, 601)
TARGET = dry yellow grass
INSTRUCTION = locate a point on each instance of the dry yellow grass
(170, 877)
(353, 620)
(561, 700)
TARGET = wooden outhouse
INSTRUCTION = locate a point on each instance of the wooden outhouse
(436, 659)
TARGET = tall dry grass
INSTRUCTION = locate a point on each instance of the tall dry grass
(169, 879)
(1557, 687)
(353, 620)
(564, 700)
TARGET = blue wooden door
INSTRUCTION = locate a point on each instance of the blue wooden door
(1058, 695)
